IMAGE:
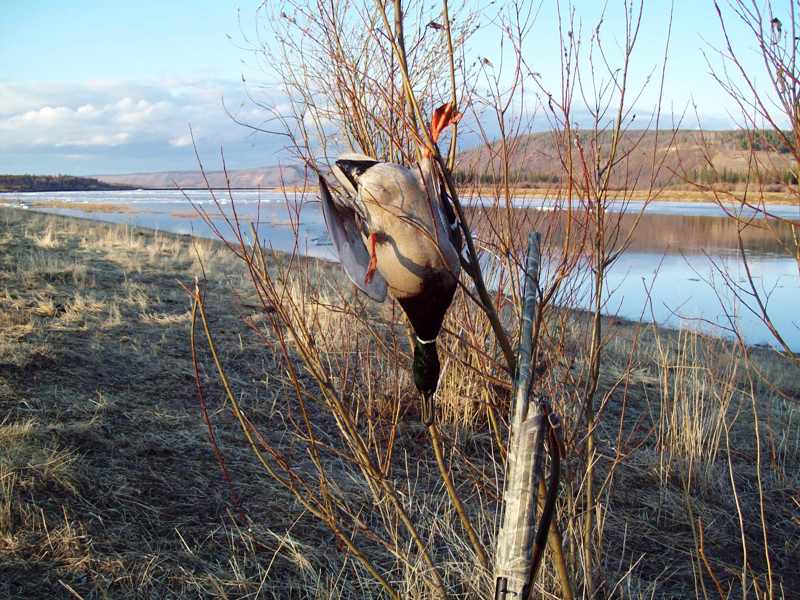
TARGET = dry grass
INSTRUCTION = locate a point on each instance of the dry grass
(108, 484)
(676, 440)
(85, 207)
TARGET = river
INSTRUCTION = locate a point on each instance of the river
(672, 271)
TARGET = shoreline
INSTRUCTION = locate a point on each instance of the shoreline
(332, 264)
(666, 195)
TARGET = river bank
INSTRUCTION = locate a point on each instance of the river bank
(110, 487)
(676, 250)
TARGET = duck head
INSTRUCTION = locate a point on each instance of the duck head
(426, 371)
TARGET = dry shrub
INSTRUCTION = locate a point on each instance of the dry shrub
(46, 239)
(659, 430)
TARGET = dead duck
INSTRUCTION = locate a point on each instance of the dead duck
(394, 230)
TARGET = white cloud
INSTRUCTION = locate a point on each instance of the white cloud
(105, 127)
(181, 141)
(105, 114)
(96, 140)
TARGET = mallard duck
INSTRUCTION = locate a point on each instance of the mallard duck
(394, 229)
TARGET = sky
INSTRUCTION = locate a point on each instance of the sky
(113, 87)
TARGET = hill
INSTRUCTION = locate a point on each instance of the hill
(680, 158)
(260, 177)
(54, 183)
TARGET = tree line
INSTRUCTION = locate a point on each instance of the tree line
(54, 183)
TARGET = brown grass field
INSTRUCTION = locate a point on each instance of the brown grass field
(107, 484)
(109, 487)
(725, 193)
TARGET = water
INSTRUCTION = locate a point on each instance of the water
(673, 272)
(276, 215)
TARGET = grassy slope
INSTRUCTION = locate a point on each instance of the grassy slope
(108, 485)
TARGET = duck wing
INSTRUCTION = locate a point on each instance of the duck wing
(346, 237)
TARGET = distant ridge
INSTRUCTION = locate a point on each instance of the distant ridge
(681, 158)
(259, 177)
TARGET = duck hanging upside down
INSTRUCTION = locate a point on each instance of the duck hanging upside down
(394, 228)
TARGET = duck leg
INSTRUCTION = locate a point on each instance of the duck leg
(373, 260)
(443, 117)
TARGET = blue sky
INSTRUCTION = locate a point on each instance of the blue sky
(110, 87)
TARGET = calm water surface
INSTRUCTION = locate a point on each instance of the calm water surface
(672, 256)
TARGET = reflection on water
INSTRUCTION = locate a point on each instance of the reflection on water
(676, 267)
(657, 231)
(671, 256)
